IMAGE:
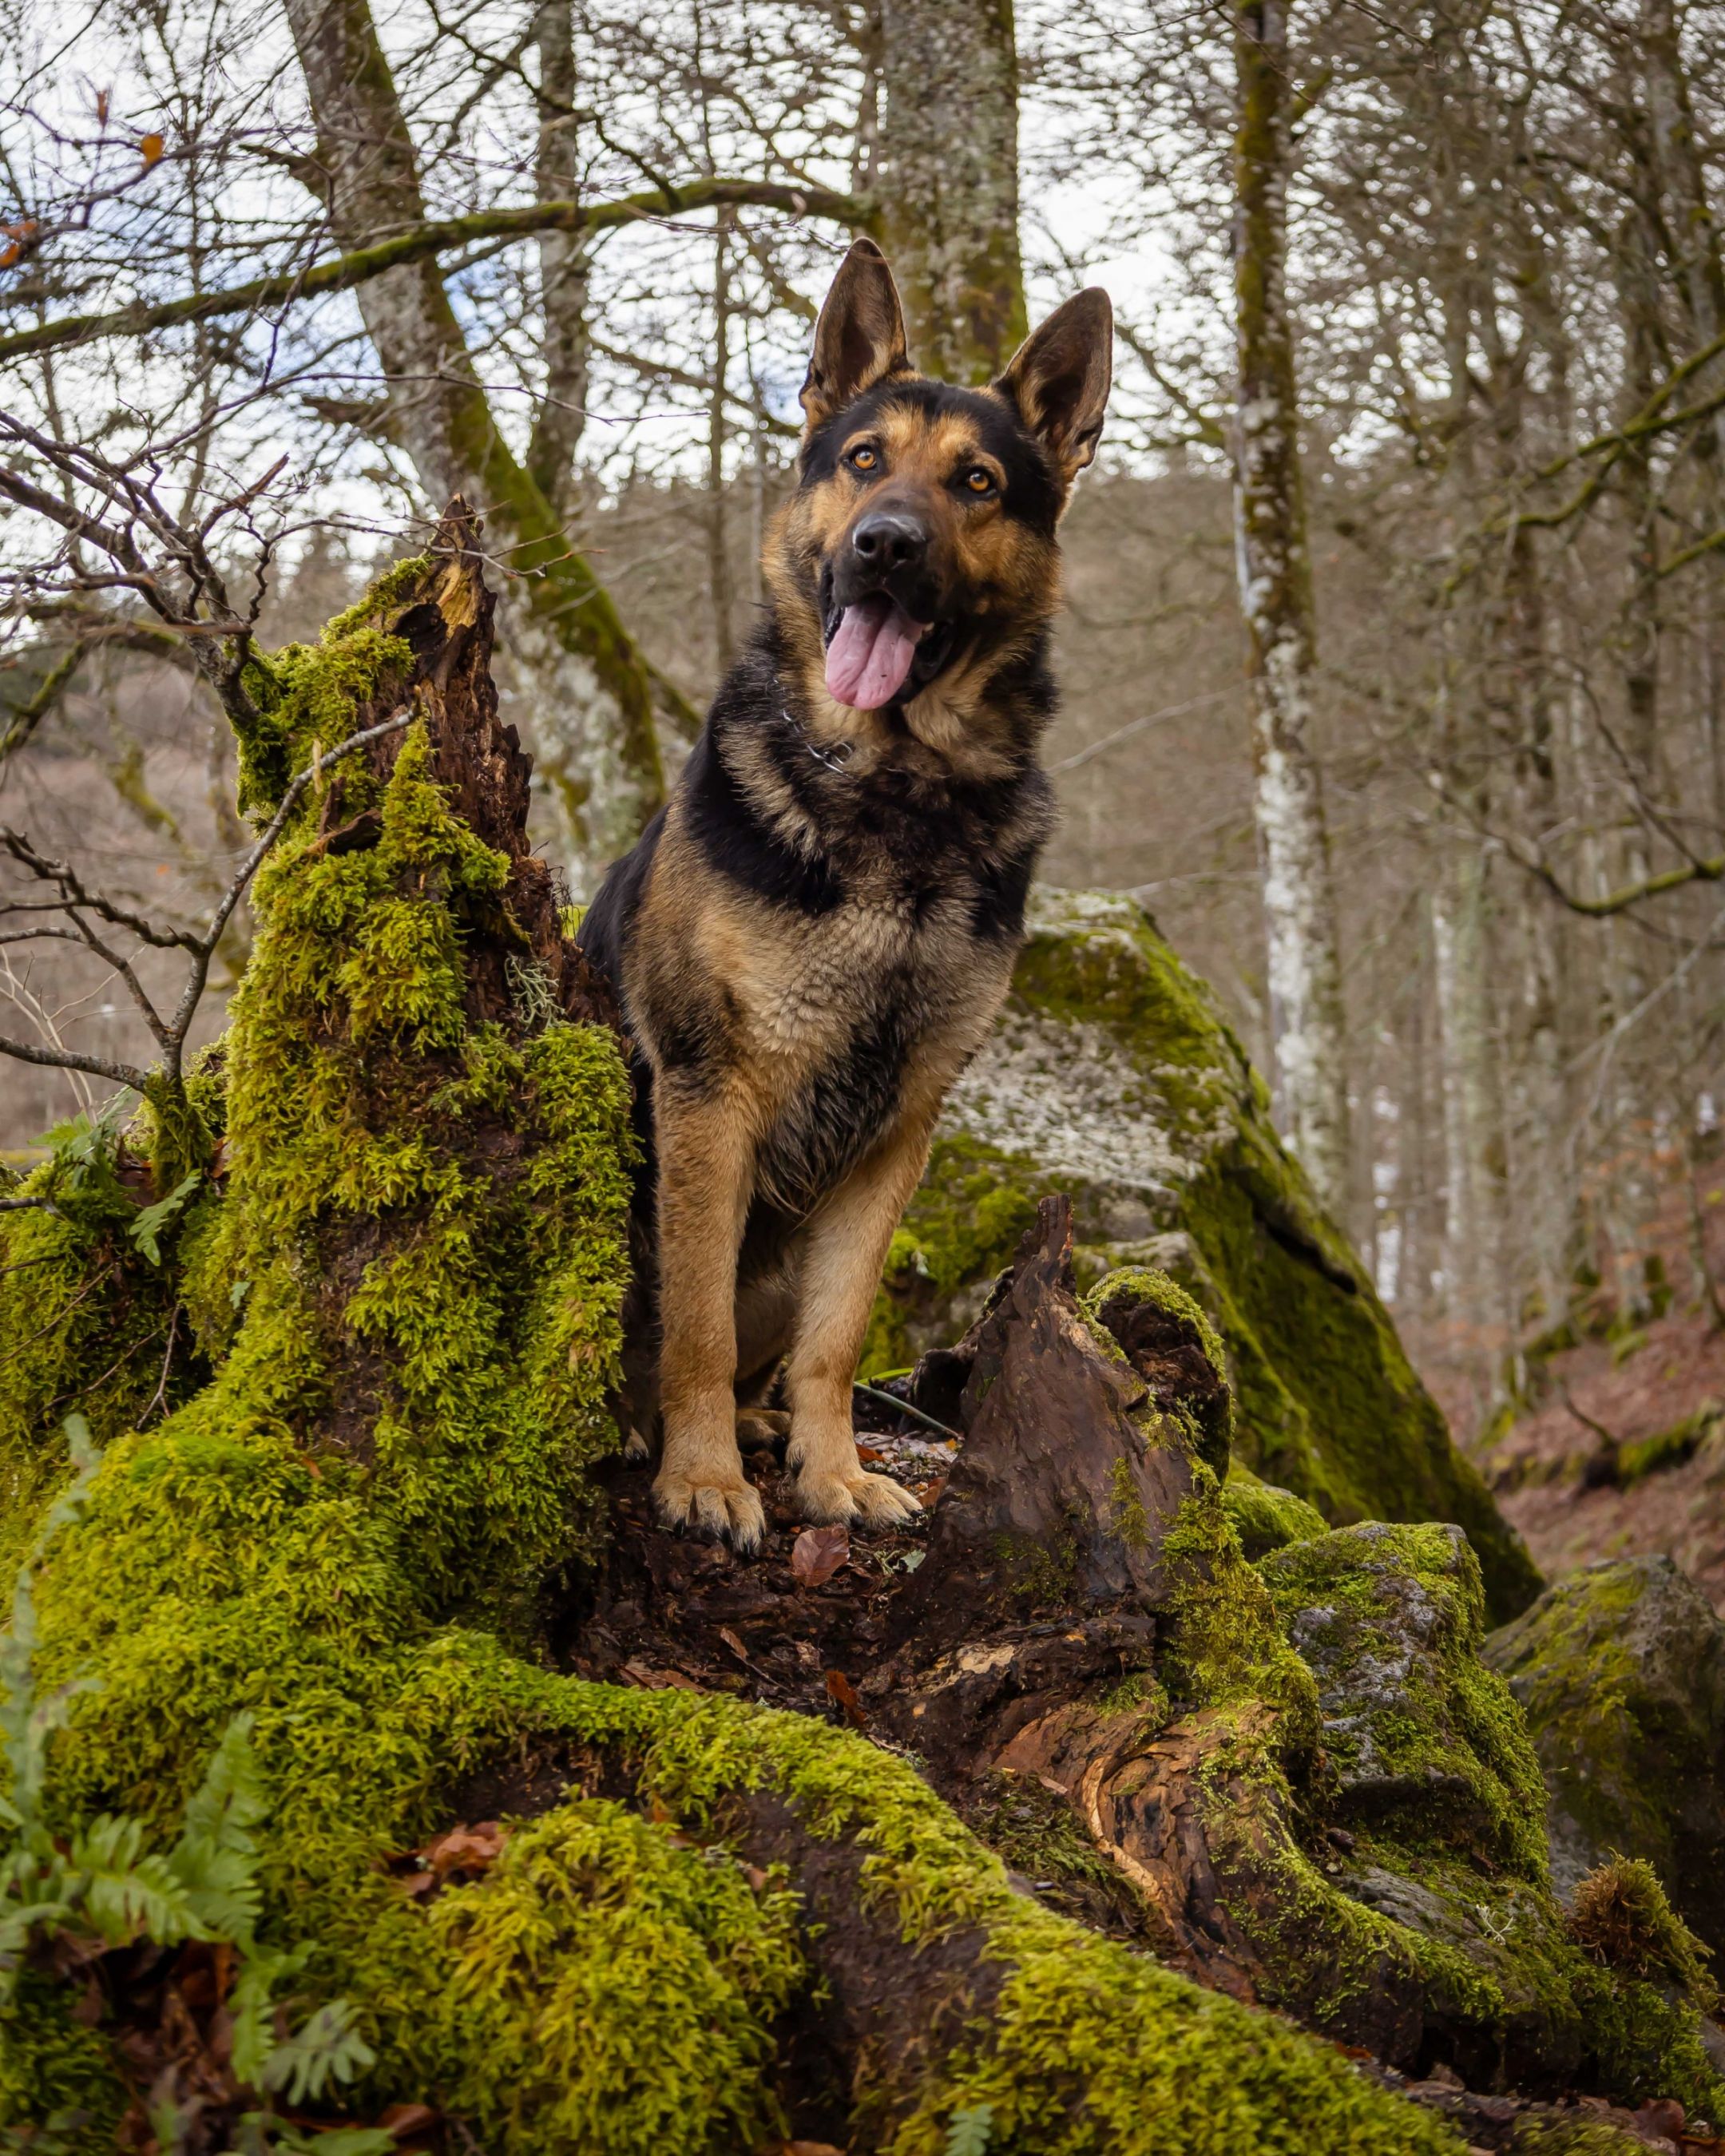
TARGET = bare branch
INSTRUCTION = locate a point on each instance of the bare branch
(68, 1059)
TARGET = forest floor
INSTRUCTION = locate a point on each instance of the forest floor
(1614, 1444)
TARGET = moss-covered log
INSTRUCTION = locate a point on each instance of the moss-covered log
(1114, 1075)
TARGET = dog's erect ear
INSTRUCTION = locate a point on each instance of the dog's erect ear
(859, 338)
(1059, 377)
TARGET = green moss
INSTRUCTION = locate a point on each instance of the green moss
(1640, 1457)
(1226, 1643)
(1573, 2136)
(1033, 1831)
(1391, 1619)
(961, 1228)
(1618, 1669)
(86, 1319)
(598, 1948)
(1620, 1914)
(1265, 1518)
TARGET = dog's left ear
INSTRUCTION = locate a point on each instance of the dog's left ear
(859, 338)
(1059, 377)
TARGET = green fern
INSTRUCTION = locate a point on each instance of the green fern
(101, 1886)
(969, 2131)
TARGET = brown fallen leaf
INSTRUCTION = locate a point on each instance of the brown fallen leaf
(817, 1554)
(407, 2122)
(843, 1694)
(656, 1680)
(734, 1644)
(466, 1848)
(868, 1452)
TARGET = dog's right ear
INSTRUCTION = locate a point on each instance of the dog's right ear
(859, 338)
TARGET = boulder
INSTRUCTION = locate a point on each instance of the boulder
(1114, 1075)
(1621, 1669)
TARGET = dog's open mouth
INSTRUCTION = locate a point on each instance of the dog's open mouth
(875, 649)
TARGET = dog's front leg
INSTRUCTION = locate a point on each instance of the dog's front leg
(706, 1166)
(847, 1244)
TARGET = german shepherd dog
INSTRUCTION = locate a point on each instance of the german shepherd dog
(814, 936)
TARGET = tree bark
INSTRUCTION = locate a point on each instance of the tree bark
(1693, 233)
(1305, 968)
(586, 690)
(1474, 1223)
(949, 182)
(563, 269)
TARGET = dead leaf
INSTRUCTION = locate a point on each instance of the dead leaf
(21, 239)
(843, 1694)
(733, 1643)
(656, 1680)
(150, 149)
(470, 1850)
(404, 2121)
(868, 1452)
(817, 1554)
(755, 1876)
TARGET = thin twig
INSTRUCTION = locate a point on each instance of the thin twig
(76, 899)
(160, 1400)
(904, 1408)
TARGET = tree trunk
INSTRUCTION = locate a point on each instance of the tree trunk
(1276, 597)
(949, 177)
(563, 264)
(718, 541)
(1475, 1226)
(1692, 230)
(585, 691)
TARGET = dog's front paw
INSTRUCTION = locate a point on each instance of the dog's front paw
(725, 1511)
(868, 1501)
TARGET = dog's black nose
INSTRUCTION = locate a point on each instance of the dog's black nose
(888, 541)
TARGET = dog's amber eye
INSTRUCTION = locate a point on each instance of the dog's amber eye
(863, 458)
(979, 479)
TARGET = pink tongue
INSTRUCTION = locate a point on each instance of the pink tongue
(870, 653)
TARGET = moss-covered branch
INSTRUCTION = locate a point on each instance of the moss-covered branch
(427, 241)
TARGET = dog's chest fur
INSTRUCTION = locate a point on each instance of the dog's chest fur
(826, 942)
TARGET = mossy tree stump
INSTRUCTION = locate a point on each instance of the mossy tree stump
(374, 1518)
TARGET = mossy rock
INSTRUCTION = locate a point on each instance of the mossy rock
(1423, 1816)
(1424, 1742)
(1620, 1670)
(1113, 1074)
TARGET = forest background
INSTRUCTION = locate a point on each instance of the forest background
(1413, 740)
